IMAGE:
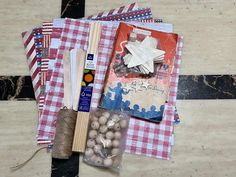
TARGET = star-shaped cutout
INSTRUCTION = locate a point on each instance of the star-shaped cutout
(143, 54)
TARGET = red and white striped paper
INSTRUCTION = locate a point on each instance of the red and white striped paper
(120, 10)
(29, 45)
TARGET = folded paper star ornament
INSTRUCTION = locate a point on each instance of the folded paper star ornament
(143, 54)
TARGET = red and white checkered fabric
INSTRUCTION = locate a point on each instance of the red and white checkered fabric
(155, 140)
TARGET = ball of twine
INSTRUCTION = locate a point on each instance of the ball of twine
(65, 126)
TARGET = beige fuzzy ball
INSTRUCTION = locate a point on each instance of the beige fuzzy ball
(110, 135)
(93, 158)
(117, 135)
(90, 143)
(93, 134)
(89, 152)
(94, 118)
(103, 129)
(99, 139)
(110, 124)
(102, 120)
(115, 117)
(115, 151)
(107, 143)
(123, 123)
(106, 114)
(97, 148)
(98, 161)
(95, 125)
(107, 162)
(97, 113)
(117, 127)
(115, 143)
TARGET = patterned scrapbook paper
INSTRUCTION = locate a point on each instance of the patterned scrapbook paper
(54, 45)
(140, 14)
(120, 10)
(38, 42)
(46, 32)
(32, 60)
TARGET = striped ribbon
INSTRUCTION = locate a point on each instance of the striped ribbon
(46, 32)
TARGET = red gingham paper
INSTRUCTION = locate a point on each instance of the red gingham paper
(155, 140)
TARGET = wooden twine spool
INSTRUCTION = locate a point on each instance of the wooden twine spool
(65, 126)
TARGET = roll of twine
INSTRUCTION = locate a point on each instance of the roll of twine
(65, 126)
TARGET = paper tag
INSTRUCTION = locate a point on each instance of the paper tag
(85, 98)
(141, 31)
(91, 61)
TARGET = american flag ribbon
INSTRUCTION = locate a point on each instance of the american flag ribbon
(47, 28)
(46, 32)
(38, 42)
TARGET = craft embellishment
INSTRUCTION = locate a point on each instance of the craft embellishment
(143, 54)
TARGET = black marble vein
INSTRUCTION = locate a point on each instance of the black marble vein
(207, 87)
(16, 88)
(72, 8)
(189, 87)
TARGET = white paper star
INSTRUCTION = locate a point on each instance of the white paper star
(143, 54)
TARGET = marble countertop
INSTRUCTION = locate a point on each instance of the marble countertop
(205, 140)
